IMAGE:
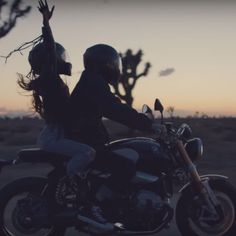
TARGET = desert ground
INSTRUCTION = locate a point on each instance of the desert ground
(218, 135)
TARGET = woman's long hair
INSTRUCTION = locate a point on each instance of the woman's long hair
(31, 83)
(37, 85)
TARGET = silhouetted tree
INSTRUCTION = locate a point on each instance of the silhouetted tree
(15, 12)
(196, 114)
(130, 75)
(171, 111)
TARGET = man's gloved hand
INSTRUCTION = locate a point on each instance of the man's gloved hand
(159, 128)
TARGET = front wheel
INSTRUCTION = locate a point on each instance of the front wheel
(197, 221)
(12, 221)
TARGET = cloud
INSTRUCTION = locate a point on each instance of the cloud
(166, 72)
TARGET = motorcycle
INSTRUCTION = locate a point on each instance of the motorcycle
(49, 205)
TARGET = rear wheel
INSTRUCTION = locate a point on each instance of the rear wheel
(195, 221)
(14, 221)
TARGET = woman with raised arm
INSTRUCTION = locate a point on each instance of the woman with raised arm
(50, 99)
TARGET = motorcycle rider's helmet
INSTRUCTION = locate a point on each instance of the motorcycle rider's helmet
(36, 59)
(105, 60)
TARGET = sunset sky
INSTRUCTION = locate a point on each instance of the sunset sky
(195, 39)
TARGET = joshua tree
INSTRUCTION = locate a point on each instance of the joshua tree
(171, 111)
(130, 75)
(15, 12)
(196, 114)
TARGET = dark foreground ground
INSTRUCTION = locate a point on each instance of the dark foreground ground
(218, 135)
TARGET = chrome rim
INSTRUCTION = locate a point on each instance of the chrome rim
(12, 226)
(201, 227)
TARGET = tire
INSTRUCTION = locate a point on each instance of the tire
(185, 224)
(16, 188)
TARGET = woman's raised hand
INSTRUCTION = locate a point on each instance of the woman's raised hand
(44, 9)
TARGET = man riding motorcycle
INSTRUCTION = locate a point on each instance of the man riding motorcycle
(92, 99)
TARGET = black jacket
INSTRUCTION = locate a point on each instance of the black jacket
(91, 100)
(54, 92)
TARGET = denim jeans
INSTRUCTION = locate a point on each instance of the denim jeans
(51, 139)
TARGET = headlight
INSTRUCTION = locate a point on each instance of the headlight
(184, 131)
(194, 148)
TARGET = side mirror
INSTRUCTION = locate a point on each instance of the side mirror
(147, 111)
(158, 107)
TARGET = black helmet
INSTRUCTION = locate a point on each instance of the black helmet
(105, 60)
(37, 59)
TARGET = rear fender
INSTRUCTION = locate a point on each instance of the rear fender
(25, 183)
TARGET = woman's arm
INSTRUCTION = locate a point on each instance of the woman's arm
(49, 70)
(47, 14)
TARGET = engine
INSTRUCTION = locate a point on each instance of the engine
(70, 193)
(147, 211)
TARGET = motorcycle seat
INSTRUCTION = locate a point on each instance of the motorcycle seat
(36, 155)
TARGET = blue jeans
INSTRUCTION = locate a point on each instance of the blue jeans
(51, 139)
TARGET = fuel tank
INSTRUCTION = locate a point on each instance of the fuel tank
(151, 158)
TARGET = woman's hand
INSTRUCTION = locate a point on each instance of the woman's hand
(44, 9)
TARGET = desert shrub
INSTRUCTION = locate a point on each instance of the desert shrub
(5, 125)
(4, 135)
(218, 129)
(229, 137)
(2, 138)
(21, 129)
(21, 125)
(19, 139)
